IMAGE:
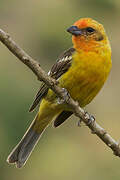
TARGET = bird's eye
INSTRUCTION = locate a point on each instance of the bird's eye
(90, 30)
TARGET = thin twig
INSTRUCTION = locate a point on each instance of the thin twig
(42, 76)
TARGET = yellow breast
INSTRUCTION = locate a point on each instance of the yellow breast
(87, 75)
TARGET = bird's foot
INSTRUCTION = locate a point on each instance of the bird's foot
(66, 97)
(90, 118)
(79, 123)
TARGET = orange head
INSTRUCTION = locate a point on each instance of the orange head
(88, 34)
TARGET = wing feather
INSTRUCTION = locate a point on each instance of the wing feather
(58, 69)
(62, 117)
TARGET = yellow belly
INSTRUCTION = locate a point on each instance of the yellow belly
(86, 76)
(83, 81)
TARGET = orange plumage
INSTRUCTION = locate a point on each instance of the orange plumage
(82, 70)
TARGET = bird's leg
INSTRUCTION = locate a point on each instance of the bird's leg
(66, 97)
(90, 119)
(79, 122)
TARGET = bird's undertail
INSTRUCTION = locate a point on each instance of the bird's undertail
(22, 151)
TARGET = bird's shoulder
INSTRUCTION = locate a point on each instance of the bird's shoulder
(61, 66)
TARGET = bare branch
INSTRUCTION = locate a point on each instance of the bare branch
(42, 76)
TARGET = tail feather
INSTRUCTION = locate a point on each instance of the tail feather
(22, 151)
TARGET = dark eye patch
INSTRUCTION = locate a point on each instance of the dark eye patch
(90, 30)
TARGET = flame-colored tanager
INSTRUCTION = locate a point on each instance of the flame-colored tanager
(81, 70)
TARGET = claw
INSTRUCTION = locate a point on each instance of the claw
(79, 122)
(91, 119)
(65, 98)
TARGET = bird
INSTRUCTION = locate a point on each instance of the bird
(82, 70)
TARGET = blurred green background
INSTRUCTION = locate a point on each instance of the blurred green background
(68, 152)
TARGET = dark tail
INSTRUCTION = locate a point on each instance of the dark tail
(22, 151)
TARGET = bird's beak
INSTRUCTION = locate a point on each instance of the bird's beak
(74, 30)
